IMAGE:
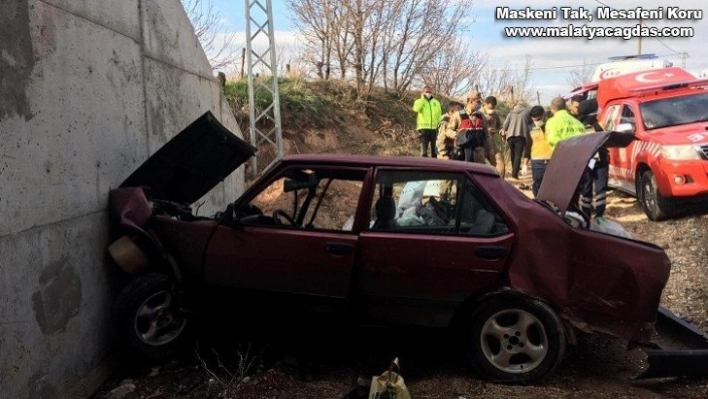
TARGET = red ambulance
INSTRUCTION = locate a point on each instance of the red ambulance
(667, 112)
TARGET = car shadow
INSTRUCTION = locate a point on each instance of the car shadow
(322, 350)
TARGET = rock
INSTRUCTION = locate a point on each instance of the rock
(121, 391)
(155, 372)
(188, 385)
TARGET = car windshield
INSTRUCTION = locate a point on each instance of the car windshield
(674, 111)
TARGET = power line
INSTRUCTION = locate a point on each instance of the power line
(642, 22)
(664, 44)
(562, 66)
(549, 67)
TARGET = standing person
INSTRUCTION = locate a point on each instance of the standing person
(541, 151)
(479, 139)
(493, 123)
(516, 129)
(476, 110)
(445, 144)
(472, 137)
(447, 133)
(574, 107)
(587, 114)
(561, 126)
(429, 112)
(597, 172)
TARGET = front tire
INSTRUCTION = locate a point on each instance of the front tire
(149, 318)
(514, 340)
(655, 206)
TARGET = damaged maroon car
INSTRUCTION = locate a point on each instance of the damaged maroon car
(384, 240)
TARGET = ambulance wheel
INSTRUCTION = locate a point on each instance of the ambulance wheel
(656, 206)
(514, 340)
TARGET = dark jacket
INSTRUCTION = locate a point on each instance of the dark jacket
(587, 113)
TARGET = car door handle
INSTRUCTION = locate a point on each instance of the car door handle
(338, 248)
(491, 252)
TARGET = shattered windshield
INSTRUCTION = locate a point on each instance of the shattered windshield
(674, 111)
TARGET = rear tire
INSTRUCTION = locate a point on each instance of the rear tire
(514, 340)
(149, 319)
(655, 206)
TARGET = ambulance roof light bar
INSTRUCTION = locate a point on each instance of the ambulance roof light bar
(633, 57)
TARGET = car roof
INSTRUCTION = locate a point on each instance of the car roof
(389, 161)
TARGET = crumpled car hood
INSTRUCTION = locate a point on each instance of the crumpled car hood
(570, 157)
(192, 163)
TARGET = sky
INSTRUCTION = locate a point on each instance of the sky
(553, 58)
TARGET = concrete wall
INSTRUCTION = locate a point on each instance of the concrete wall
(88, 90)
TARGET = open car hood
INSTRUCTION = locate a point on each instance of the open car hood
(192, 162)
(566, 167)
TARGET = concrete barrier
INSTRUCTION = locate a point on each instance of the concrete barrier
(90, 89)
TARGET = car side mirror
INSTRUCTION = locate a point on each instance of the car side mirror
(292, 185)
(627, 127)
(227, 217)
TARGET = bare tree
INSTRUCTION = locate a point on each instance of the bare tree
(315, 20)
(497, 82)
(357, 13)
(343, 40)
(580, 75)
(507, 83)
(216, 41)
(454, 69)
(385, 42)
(522, 84)
(423, 28)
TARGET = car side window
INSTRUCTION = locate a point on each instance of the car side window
(309, 199)
(415, 201)
(431, 203)
(477, 215)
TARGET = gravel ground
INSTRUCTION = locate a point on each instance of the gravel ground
(320, 366)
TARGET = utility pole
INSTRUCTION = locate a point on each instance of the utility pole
(683, 57)
(538, 97)
(639, 46)
(259, 15)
